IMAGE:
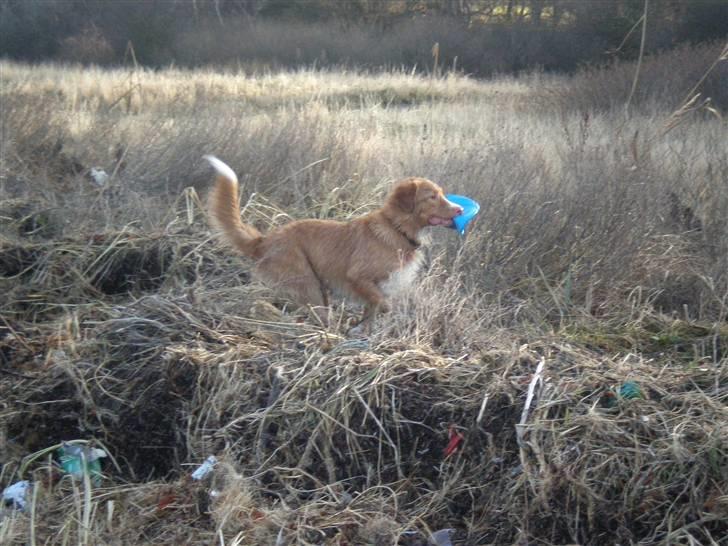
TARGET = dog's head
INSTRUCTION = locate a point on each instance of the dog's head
(424, 201)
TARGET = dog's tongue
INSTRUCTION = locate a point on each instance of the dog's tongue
(437, 221)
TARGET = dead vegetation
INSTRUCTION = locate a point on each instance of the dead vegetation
(492, 401)
(329, 440)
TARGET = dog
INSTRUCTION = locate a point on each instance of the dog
(364, 257)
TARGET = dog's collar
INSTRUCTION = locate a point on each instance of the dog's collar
(415, 243)
(394, 224)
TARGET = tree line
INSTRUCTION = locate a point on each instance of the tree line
(476, 36)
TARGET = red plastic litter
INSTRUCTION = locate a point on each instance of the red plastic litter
(456, 439)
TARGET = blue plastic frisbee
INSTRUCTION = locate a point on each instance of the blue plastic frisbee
(470, 209)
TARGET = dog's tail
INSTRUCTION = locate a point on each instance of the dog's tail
(226, 211)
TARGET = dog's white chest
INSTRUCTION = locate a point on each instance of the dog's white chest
(404, 277)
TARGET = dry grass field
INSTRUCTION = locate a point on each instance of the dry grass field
(599, 259)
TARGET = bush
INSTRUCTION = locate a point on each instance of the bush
(87, 47)
(665, 79)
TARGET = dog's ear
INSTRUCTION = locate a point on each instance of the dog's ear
(404, 195)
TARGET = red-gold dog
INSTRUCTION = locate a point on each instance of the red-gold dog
(362, 257)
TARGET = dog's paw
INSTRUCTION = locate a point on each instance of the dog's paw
(265, 311)
(359, 331)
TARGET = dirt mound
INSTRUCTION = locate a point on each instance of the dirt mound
(324, 439)
(42, 279)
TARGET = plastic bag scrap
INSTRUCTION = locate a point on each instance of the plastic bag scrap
(629, 390)
(16, 495)
(441, 537)
(438, 538)
(455, 438)
(205, 468)
(78, 460)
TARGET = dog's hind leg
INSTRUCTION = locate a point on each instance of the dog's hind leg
(307, 291)
(291, 273)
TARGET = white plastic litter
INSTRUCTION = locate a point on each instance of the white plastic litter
(97, 453)
(441, 537)
(205, 468)
(100, 176)
(16, 495)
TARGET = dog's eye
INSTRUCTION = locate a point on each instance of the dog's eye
(432, 197)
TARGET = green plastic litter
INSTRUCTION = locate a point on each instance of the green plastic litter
(630, 390)
(78, 460)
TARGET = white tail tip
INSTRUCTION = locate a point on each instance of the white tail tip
(222, 168)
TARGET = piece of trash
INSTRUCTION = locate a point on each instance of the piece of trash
(456, 439)
(609, 399)
(166, 500)
(205, 468)
(16, 495)
(99, 176)
(256, 515)
(441, 537)
(470, 209)
(78, 460)
(630, 390)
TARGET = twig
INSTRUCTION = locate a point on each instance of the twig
(624, 41)
(639, 60)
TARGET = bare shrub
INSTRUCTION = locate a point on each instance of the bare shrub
(665, 80)
(87, 47)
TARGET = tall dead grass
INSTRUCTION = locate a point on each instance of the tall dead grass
(599, 257)
(569, 195)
